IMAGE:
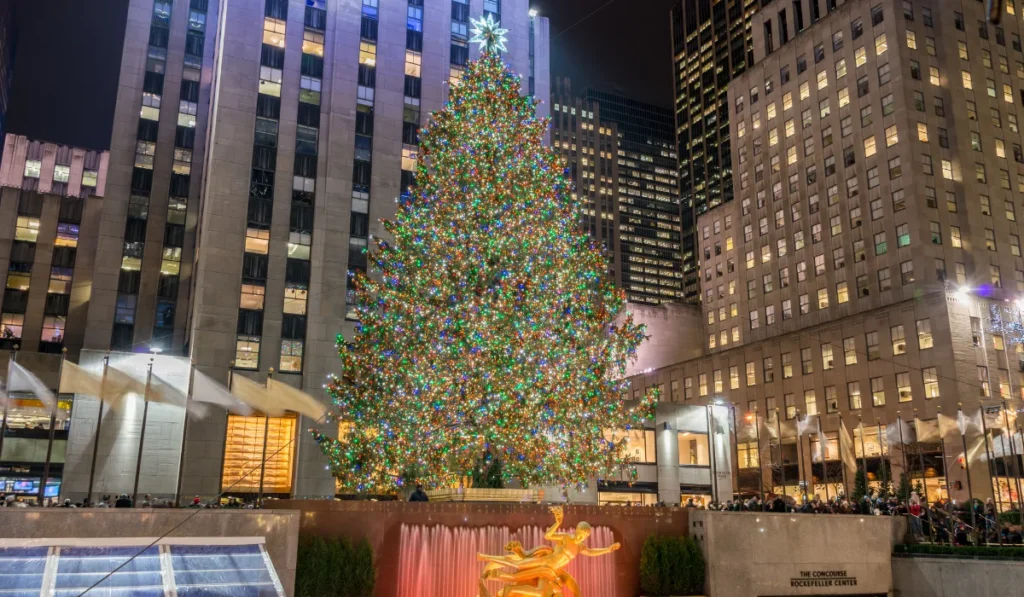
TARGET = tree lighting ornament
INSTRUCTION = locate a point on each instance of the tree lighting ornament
(1007, 320)
(489, 324)
(488, 33)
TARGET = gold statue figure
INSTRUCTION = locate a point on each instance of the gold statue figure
(540, 572)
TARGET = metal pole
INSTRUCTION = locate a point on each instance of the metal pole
(991, 465)
(967, 467)
(760, 465)
(736, 452)
(184, 431)
(142, 434)
(99, 424)
(782, 460)
(920, 459)
(711, 446)
(863, 451)
(263, 460)
(842, 464)
(801, 471)
(1013, 459)
(883, 461)
(53, 424)
(823, 452)
(903, 450)
(7, 402)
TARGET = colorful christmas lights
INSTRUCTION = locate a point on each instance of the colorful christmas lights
(489, 323)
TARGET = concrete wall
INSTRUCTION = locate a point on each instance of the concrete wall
(280, 529)
(381, 523)
(675, 333)
(941, 577)
(750, 554)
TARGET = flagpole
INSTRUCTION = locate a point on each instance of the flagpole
(142, 433)
(863, 451)
(800, 470)
(99, 424)
(1013, 459)
(920, 459)
(711, 445)
(967, 461)
(266, 435)
(903, 449)
(760, 465)
(7, 402)
(846, 482)
(782, 460)
(184, 430)
(883, 461)
(735, 456)
(991, 465)
(823, 452)
(53, 424)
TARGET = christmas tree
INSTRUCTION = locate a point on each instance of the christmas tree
(488, 324)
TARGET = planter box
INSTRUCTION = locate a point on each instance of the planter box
(473, 494)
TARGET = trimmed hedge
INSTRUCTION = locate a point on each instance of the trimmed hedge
(1009, 518)
(331, 567)
(992, 551)
(671, 566)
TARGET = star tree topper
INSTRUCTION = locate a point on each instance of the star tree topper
(488, 33)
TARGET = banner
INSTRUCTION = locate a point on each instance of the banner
(208, 391)
(927, 431)
(20, 379)
(296, 400)
(76, 380)
(255, 395)
(847, 451)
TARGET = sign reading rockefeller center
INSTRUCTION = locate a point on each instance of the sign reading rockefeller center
(823, 578)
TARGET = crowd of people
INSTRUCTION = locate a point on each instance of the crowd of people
(123, 501)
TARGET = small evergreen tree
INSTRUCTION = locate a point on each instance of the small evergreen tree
(903, 492)
(860, 485)
(885, 482)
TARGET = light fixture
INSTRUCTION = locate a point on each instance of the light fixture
(533, 12)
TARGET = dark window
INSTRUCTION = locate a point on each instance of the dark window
(460, 53)
(312, 66)
(856, 28)
(184, 137)
(164, 315)
(296, 271)
(254, 266)
(264, 158)
(309, 115)
(71, 209)
(179, 185)
(56, 304)
(261, 183)
(64, 257)
(122, 337)
(250, 323)
(301, 217)
(460, 12)
(367, 76)
(798, 14)
(412, 86)
(194, 43)
(153, 83)
(784, 75)
(277, 9)
(819, 53)
(361, 173)
(414, 40)
(272, 56)
(982, 29)
(167, 287)
(268, 106)
(260, 211)
(293, 326)
(877, 16)
(305, 165)
(801, 64)
(142, 181)
(158, 37)
(147, 130)
(364, 122)
(174, 235)
(410, 133)
(368, 29)
(316, 18)
(359, 225)
(128, 281)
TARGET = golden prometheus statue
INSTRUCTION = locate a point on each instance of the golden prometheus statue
(540, 572)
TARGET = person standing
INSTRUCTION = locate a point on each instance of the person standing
(419, 495)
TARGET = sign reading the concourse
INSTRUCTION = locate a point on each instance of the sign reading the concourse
(823, 578)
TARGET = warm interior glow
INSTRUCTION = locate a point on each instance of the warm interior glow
(243, 451)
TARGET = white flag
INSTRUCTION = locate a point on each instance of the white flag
(20, 379)
(206, 390)
(255, 395)
(296, 400)
(77, 380)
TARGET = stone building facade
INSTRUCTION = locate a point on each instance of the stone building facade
(873, 239)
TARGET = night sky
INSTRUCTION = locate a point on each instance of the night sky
(626, 46)
(69, 56)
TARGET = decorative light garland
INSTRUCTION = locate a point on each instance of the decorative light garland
(489, 324)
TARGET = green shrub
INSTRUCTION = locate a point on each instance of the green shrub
(330, 567)
(1009, 518)
(671, 566)
(992, 551)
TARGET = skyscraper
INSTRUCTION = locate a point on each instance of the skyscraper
(711, 46)
(622, 159)
(256, 146)
(869, 269)
(8, 40)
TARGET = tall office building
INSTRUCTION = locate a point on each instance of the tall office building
(256, 146)
(8, 40)
(869, 270)
(622, 160)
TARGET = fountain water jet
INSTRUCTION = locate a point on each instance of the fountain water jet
(438, 561)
